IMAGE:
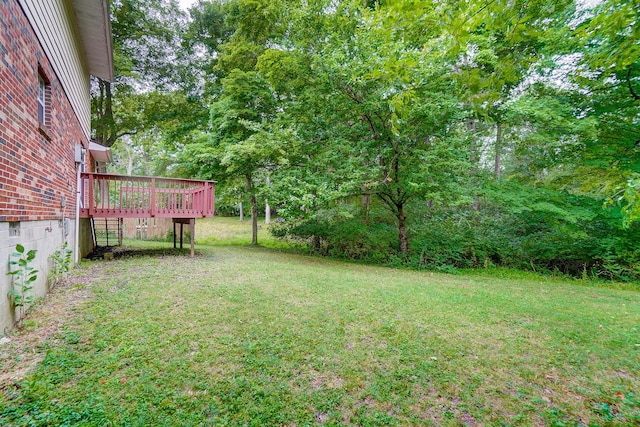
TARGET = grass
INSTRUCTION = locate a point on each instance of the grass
(250, 336)
(219, 231)
(230, 231)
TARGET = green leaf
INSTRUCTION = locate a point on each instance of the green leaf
(16, 297)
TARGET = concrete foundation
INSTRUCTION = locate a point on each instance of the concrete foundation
(86, 239)
(45, 237)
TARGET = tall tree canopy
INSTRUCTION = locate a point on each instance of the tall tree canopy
(153, 74)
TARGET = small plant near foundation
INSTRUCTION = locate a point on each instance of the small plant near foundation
(24, 275)
(61, 260)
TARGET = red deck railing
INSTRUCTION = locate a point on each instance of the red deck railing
(121, 196)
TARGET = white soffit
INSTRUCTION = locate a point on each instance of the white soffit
(94, 26)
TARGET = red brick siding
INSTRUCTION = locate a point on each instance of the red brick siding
(37, 167)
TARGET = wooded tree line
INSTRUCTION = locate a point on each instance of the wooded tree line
(423, 133)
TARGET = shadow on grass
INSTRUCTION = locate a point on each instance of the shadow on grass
(117, 252)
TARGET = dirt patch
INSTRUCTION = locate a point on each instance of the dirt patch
(116, 252)
(44, 323)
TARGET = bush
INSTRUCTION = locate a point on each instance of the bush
(337, 236)
(524, 228)
(579, 240)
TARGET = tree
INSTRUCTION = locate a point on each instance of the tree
(609, 42)
(608, 78)
(379, 111)
(498, 46)
(244, 104)
(147, 57)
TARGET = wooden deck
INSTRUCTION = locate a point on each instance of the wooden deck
(121, 196)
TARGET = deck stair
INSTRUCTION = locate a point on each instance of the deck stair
(107, 231)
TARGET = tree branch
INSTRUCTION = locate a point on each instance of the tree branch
(371, 124)
(121, 134)
(387, 200)
(635, 96)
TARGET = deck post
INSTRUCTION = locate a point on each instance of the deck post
(152, 208)
(192, 226)
(181, 234)
(92, 208)
(174, 234)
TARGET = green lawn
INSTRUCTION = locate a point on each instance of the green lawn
(249, 336)
(229, 231)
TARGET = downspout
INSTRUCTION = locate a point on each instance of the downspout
(78, 197)
(79, 158)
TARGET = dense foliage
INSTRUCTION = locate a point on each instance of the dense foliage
(423, 133)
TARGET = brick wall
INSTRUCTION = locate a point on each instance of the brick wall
(37, 168)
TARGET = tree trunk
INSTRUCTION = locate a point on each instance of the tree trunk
(241, 211)
(365, 204)
(267, 209)
(254, 220)
(105, 123)
(254, 211)
(402, 230)
(130, 155)
(267, 213)
(110, 137)
(474, 157)
(498, 147)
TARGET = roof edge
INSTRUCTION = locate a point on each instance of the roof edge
(100, 153)
(93, 22)
(108, 37)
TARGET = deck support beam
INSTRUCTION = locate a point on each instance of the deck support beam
(192, 226)
(192, 232)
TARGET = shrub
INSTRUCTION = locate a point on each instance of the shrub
(343, 237)
(524, 228)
